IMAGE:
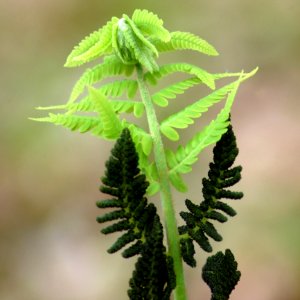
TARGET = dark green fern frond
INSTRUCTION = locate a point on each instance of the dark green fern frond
(198, 226)
(221, 274)
(127, 185)
(153, 277)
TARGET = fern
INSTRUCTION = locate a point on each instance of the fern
(128, 48)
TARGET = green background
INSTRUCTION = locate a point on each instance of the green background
(49, 177)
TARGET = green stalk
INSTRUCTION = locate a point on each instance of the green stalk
(165, 191)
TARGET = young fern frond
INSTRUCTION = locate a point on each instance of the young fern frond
(154, 276)
(185, 41)
(198, 220)
(144, 51)
(204, 76)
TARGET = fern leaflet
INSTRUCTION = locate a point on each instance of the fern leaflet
(167, 69)
(185, 117)
(181, 161)
(150, 24)
(161, 97)
(110, 67)
(93, 46)
(112, 126)
(73, 122)
(185, 40)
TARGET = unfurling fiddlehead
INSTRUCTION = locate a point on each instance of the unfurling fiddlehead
(220, 176)
(154, 277)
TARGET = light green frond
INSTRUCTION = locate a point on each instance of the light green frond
(185, 41)
(170, 92)
(150, 24)
(112, 126)
(184, 118)
(167, 69)
(184, 157)
(142, 52)
(140, 36)
(96, 44)
(110, 67)
(73, 122)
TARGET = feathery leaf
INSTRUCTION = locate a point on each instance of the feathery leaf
(161, 97)
(185, 40)
(184, 118)
(111, 66)
(111, 124)
(73, 122)
(167, 69)
(96, 44)
(185, 156)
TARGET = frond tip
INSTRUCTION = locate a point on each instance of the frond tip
(221, 274)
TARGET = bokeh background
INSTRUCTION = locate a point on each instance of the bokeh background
(51, 247)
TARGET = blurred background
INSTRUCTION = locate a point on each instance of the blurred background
(51, 247)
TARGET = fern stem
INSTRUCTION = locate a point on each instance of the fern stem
(165, 191)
